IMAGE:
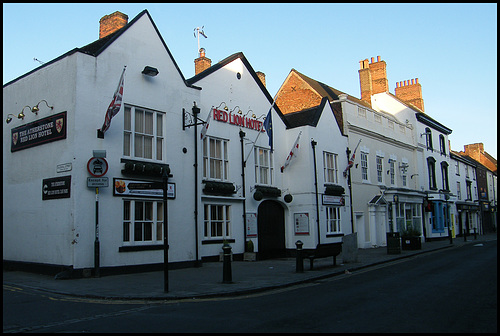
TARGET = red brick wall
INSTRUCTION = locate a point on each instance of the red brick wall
(296, 95)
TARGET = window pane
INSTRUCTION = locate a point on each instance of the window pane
(126, 231)
(138, 145)
(148, 213)
(126, 144)
(148, 147)
(159, 124)
(159, 149)
(159, 231)
(148, 231)
(139, 211)
(139, 120)
(148, 123)
(127, 121)
(126, 210)
(138, 231)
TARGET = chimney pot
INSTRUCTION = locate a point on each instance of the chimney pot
(378, 58)
(412, 82)
(372, 60)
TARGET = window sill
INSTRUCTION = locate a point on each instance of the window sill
(137, 248)
(216, 241)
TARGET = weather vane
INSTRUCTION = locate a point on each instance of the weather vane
(197, 32)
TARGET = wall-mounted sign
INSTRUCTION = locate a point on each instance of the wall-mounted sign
(97, 182)
(333, 200)
(97, 167)
(39, 132)
(238, 120)
(301, 221)
(57, 187)
(122, 187)
(251, 225)
(64, 167)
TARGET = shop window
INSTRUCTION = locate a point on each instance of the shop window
(142, 222)
(263, 166)
(330, 167)
(333, 220)
(217, 221)
(143, 133)
(215, 159)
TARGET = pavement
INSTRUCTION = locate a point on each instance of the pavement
(207, 281)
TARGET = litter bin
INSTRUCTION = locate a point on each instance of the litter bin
(393, 243)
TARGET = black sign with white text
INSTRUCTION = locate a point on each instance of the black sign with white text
(57, 187)
(39, 132)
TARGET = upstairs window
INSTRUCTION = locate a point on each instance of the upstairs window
(442, 144)
(431, 166)
(428, 138)
(215, 159)
(143, 133)
(263, 166)
(330, 167)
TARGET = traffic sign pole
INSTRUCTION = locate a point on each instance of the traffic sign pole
(96, 242)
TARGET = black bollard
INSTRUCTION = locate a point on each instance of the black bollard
(475, 234)
(226, 269)
(299, 267)
(449, 235)
(465, 235)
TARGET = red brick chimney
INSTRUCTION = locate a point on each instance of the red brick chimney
(202, 63)
(410, 93)
(111, 23)
(262, 77)
(372, 78)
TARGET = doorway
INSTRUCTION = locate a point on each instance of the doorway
(271, 230)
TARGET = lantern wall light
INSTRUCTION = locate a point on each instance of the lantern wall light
(35, 108)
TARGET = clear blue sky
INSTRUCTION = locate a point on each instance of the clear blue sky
(450, 48)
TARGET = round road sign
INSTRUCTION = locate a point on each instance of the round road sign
(97, 167)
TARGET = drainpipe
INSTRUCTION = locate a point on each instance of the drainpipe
(313, 144)
(196, 111)
(243, 164)
(348, 152)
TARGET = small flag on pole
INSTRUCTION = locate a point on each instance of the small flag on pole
(207, 123)
(293, 153)
(351, 160)
(114, 106)
(268, 126)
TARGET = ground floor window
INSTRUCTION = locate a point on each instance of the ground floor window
(217, 221)
(142, 221)
(333, 220)
(409, 216)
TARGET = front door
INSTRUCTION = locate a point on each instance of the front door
(271, 230)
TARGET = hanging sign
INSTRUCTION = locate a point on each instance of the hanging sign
(39, 132)
(97, 167)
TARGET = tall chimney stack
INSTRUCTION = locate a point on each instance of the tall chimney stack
(202, 63)
(111, 23)
(372, 78)
(410, 92)
(262, 77)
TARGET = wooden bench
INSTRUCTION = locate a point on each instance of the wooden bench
(325, 250)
